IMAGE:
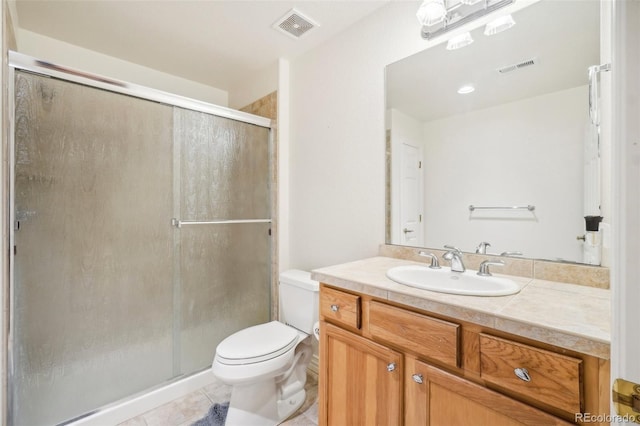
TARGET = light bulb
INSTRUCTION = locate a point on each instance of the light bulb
(467, 88)
(459, 41)
(431, 12)
(498, 25)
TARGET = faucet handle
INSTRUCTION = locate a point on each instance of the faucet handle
(511, 253)
(452, 248)
(482, 247)
(484, 267)
(434, 259)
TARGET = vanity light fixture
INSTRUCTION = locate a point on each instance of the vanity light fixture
(440, 16)
(498, 25)
(431, 12)
(459, 41)
(467, 88)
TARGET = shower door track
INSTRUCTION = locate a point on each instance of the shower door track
(28, 63)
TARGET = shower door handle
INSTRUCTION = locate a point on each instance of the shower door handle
(180, 223)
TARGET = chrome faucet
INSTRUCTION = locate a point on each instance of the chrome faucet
(484, 267)
(482, 247)
(434, 259)
(454, 255)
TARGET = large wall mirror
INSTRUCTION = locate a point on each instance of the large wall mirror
(523, 138)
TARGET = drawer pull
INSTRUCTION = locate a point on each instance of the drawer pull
(418, 378)
(335, 308)
(522, 374)
(391, 367)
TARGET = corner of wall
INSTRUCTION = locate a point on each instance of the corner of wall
(254, 86)
(284, 192)
(11, 21)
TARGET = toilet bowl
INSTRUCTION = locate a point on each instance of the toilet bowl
(267, 364)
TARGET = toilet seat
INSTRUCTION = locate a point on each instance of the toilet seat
(257, 344)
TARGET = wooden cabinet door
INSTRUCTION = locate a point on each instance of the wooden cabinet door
(360, 381)
(436, 398)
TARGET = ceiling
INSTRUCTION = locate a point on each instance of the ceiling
(564, 36)
(214, 42)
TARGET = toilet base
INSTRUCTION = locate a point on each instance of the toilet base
(271, 400)
(256, 405)
(290, 405)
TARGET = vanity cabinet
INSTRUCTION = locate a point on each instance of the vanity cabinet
(388, 364)
(543, 375)
(437, 398)
(363, 380)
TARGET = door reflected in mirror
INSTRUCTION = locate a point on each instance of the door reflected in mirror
(522, 138)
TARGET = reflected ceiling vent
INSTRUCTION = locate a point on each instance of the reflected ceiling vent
(519, 65)
(295, 24)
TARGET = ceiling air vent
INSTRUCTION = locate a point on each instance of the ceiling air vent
(519, 65)
(294, 24)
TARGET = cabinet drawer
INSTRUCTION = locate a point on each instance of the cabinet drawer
(423, 335)
(339, 307)
(553, 379)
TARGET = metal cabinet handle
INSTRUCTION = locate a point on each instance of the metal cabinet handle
(407, 230)
(522, 374)
(418, 378)
(391, 367)
(335, 308)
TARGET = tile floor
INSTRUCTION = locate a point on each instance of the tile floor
(186, 410)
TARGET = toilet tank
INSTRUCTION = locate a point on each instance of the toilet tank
(298, 300)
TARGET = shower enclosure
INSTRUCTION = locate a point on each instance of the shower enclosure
(142, 238)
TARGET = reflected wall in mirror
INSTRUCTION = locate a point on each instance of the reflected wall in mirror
(522, 138)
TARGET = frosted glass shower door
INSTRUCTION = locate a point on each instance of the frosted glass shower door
(225, 268)
(93, 293)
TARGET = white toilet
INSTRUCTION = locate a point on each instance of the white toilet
(267, 364)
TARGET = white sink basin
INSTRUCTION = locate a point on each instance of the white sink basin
(445, 281)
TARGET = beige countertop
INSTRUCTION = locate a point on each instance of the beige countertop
(570, 316)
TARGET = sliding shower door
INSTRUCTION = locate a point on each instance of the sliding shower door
(109, 296)
(224, 199)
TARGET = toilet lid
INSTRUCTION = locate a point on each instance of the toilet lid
(257, 343)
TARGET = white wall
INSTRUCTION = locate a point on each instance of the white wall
(337, 138)
(625, 272)
(261, 83)
(61, 53)
(284, 170)
(465, 164)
